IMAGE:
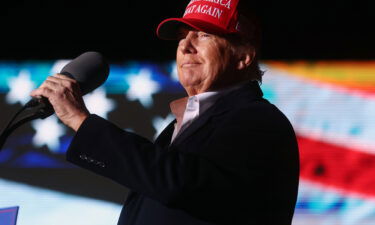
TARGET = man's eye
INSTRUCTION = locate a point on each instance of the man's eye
(204, 35)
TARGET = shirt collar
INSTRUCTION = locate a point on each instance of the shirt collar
(205, 100)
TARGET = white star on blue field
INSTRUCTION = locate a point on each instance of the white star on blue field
(97, 103)
(48, 132)
(142, 87)
(20, 88)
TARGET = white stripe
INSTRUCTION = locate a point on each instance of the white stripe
(40, 206)
(323, 112)
(323, 206)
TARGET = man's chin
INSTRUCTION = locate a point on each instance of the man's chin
(190, 84)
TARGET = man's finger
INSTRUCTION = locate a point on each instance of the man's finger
(54, 79)
(62, 81)
(63, 77)
(43, 91)
(66, 81)
(50, 84)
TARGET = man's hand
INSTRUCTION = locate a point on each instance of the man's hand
(65, 96)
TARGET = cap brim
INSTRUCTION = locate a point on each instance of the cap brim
(169, 29)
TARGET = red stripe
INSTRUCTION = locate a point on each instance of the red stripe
(337, 167)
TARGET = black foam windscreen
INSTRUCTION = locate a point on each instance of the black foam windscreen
(90, 69)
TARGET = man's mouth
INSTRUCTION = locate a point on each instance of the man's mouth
(189, 64)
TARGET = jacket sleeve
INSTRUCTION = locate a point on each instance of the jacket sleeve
(223, 174)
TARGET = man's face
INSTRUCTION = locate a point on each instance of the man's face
(203, 61)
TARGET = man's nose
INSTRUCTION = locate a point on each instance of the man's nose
(187, 45)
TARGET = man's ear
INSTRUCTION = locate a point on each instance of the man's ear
(245, 59)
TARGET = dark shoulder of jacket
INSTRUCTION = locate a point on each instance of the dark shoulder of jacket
(256, 112)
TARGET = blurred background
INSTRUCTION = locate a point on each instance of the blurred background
(319, 58)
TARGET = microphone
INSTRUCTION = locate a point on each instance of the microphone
(89, 69)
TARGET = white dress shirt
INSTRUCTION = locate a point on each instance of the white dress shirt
(194, 106)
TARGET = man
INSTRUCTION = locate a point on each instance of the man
(230, 157)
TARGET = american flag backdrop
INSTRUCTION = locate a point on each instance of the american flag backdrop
(332, 108)
(331, 105)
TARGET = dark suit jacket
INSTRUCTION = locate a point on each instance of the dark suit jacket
(236, 164)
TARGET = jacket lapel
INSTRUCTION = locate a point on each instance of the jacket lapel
(195, 125)
(246, 93)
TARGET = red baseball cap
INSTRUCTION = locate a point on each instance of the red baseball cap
(211, 16)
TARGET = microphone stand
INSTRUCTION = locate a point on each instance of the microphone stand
(44, 110)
